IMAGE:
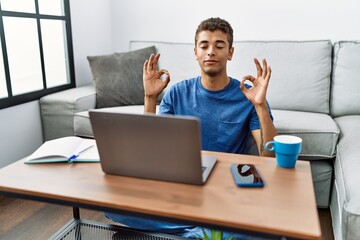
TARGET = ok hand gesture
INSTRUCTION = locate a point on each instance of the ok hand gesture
(257, 93)
(153, 85)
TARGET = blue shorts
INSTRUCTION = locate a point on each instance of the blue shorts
(186, 231)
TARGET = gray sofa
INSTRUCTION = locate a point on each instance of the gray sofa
(314, 93)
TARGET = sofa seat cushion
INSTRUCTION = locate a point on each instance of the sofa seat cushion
(82, 126)
(322, 173)
(346, 194)
(318, 131)
(348, 159)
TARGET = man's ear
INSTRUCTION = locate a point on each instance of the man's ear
(231, 53)
(195, 53)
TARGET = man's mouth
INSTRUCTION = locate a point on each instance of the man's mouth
(211, 61)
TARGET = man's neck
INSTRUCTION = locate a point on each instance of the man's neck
(215, 83)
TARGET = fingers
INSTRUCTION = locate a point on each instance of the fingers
(268, 75)
(145, 66)
(163, 71)
(167, 78)
(258, 67)
(262, 71)
(151, 63)
(155, 62)
(248, 77)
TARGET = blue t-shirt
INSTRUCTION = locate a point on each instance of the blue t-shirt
(226, 116)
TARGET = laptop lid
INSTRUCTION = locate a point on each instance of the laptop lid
(149, 146)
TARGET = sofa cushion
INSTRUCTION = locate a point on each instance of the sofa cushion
(318, 131)
(118, 77)
(345, 91)
(348, 157)
(322, 173)
(177, 58)
(346, 194)
(300, 78)
(58, 109)
(296, 66)
(82, 126)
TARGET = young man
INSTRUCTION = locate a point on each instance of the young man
(228, 110)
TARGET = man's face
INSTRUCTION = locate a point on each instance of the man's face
(212, 52)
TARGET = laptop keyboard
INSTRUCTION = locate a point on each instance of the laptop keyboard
(203, 169)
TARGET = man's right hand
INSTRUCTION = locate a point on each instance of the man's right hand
(153, 85)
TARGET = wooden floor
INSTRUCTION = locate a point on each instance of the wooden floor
(24, 219)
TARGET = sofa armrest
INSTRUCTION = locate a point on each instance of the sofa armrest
(58, 109)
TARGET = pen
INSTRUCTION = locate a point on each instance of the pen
(74, 156)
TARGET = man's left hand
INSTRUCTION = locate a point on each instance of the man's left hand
(257, 93)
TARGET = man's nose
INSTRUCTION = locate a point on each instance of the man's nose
(210, 51)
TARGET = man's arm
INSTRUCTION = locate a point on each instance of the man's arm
(153, 85)
(257, 96)
(267, 130)
(150, 104)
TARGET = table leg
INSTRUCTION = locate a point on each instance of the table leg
(76, 213)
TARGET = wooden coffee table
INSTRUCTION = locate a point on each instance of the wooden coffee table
(286, 206)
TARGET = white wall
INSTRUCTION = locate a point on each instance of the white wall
(176, 20)
(102, 27)
(20, 130)
(91, 32)
(106, 26)
(20, 126)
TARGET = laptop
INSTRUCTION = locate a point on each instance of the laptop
(166, 148)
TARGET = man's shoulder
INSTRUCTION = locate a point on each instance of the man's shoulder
(235, 81)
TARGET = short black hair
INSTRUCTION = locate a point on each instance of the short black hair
(213, 24)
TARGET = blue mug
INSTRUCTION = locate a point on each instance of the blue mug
(287, 149)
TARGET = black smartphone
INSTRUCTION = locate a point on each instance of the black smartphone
(246, 175)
